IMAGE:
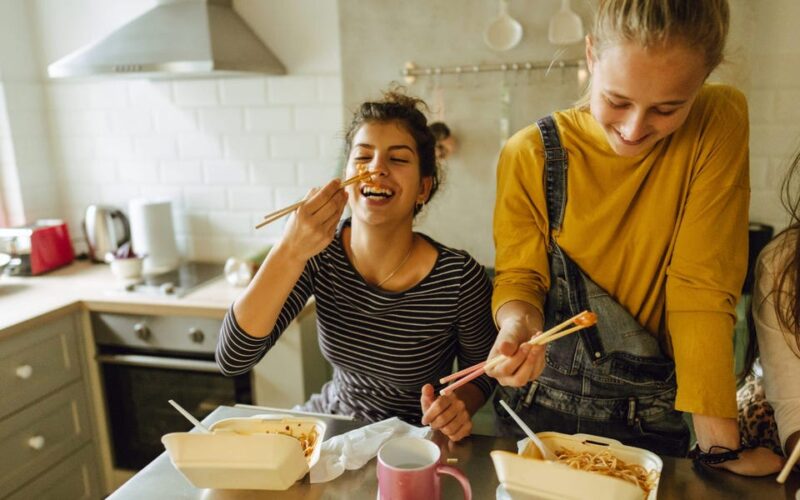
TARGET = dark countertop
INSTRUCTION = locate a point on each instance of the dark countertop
(679, 478)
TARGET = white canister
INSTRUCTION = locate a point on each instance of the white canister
(153, 234)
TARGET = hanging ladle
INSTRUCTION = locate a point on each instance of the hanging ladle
(565, 26)
(504, 32)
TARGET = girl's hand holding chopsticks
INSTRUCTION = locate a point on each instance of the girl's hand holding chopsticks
(313, 225)
(517, 357)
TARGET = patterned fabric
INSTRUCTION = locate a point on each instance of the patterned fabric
(756, 417)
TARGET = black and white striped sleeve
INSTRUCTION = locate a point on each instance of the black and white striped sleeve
(476, 329)
(237, 351)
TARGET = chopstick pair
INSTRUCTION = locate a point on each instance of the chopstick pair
(581, 321)
(273, 216)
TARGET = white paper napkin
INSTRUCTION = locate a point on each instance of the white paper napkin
(352, 450)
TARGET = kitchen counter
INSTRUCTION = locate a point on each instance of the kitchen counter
(679, 478)
(28, 299)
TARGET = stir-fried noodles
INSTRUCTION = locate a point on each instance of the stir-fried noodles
(606, 463)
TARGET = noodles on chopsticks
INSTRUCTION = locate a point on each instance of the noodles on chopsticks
(605, 463)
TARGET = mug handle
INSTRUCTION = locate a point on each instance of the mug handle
(456, 473)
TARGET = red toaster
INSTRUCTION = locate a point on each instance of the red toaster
(37, 248)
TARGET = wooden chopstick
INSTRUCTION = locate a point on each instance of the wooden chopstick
(585, 318)
(787, 467)
(273, 216)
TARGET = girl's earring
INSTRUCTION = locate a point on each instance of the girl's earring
(418, 207)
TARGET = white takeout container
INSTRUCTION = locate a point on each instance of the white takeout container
(246, 453)
(526, 475)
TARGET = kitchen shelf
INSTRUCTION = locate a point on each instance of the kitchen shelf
(411, 71)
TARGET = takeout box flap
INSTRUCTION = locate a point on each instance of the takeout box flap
(246, 453)
(534, 476)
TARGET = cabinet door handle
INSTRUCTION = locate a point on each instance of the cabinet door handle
(24, 372)
(36, 442)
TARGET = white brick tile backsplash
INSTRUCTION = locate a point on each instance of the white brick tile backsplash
(182, 172)
(156, 147)
(273, 173)
(268, 119)
(109, 94)
(199, 146)
(315, 173)
(113, 147)
(80, 122)
(163, 192)
(286, 196)
(148, 94)
(246, 147)
(299, 146)
(119, 195)
(137, 172)
(196, 92)
(292, 90)
(211, 249)
(205, 198)
(773, 71)
(74, 148)
(761, 106)
(225, 172)
(329, 89)
(221, 223)
(68, 96)
(768, 140)
(215, 120)
(101, 172)
(191, 223)
(331, 147)
(24, 95)
(263, 236)
(787, 106)
(171, 120)
(318, 118)
(27, 122)
(252, 198)
(131, 121)
(759, 171)
(244, 91)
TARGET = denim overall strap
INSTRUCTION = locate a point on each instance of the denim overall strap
(555, 179)
(555, 158)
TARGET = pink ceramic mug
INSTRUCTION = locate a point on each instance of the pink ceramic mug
(409, 469)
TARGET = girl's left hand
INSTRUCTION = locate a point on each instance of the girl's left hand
(447, 414)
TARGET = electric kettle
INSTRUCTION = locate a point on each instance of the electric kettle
(106, 229)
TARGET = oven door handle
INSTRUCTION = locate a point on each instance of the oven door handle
(159, 362)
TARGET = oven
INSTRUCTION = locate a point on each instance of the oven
(146, 360)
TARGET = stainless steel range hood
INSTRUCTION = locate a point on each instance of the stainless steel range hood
(177, 38)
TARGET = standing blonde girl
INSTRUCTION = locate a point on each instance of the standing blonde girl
(633, 205)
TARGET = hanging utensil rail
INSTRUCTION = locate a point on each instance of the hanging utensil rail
(411, 71)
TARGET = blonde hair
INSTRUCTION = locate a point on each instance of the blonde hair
(702, 24)
(651, 23)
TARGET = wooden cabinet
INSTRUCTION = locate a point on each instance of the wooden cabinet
(45, 424)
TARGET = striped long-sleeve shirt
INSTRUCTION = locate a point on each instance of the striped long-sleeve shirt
(383, 346)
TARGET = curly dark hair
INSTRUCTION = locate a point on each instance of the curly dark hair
(407, 111)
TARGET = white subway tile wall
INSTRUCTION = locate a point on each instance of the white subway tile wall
(774, 99)
(226, 151)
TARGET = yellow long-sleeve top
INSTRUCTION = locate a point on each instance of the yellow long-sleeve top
(664, 233)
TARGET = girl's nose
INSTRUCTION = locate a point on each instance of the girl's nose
(378, 166)
(633, 127)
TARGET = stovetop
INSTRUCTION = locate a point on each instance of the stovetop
(179, 282)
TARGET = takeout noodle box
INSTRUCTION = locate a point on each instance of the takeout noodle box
(526, 475)
(255, 453)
